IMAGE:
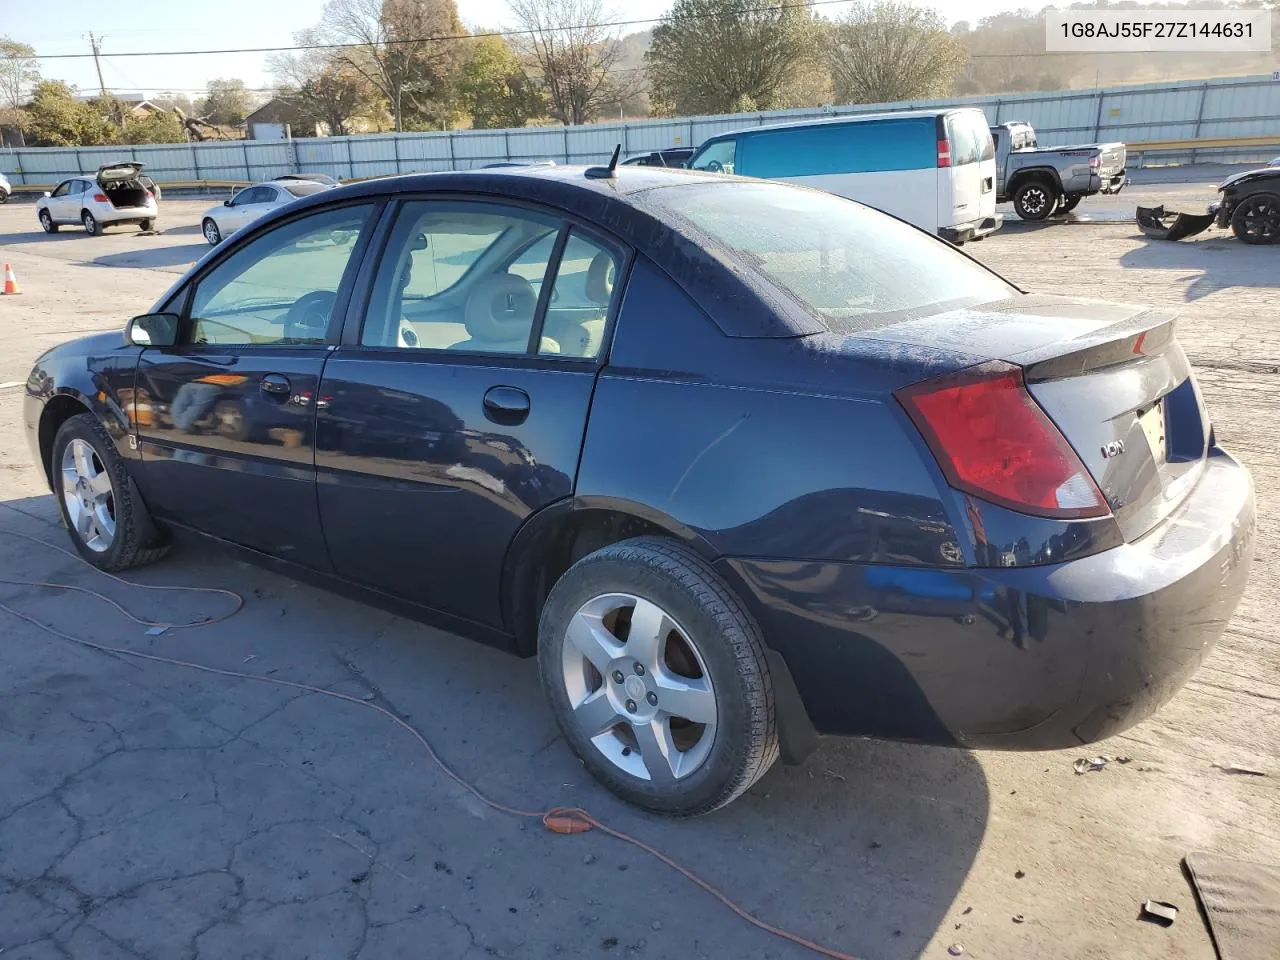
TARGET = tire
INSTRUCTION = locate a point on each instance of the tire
(146, 226)
(1035, 200)
(47, 223)
(709, 659)
(91, 226)
(211, 232)
(133, 540)
(4, 198)
(1256, 219)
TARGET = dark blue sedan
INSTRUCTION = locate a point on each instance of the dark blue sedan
(741, 463)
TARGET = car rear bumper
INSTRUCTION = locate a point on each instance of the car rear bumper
(111, 214)
(973, 230)
(1041, 657)
(1114, 183)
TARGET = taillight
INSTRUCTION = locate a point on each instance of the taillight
(944, 153)
(1095, 162)
(100, 197)
(992, 440)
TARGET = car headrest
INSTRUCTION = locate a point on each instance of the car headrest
(600, 279)
(501, 308)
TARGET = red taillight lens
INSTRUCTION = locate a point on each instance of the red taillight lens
(944, 153)
(991, 439)
(100, 197)
(1095, 162)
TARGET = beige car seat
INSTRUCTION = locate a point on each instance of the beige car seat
(578, 337)
(499, 315)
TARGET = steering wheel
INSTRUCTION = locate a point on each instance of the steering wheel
(308, 318)
(715, 166)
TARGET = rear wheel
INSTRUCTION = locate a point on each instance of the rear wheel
(211, 232)
(146, 226)
(1035, 200)
(100, 507)
(46, 222)
(1256, 220)
(91, 225)
(658, 679)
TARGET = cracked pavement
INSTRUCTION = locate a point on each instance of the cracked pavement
(152, 812)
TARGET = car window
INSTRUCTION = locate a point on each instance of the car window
(717, 157)
(62, 189)
(849, 265)
(304, 188)
(579, 304)
(281, 287)
(452, 278)
(965, 146)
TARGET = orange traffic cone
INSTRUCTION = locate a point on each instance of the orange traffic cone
(10, 281)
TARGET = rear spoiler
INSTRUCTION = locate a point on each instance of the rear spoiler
(1147, 334)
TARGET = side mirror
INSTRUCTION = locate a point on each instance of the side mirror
(226, 203)
(153, 330)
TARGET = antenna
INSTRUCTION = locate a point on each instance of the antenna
(609, 172)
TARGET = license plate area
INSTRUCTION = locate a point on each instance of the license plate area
(1153, 428)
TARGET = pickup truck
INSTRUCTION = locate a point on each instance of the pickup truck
(1042, 181)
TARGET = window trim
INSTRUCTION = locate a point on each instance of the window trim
(358, 304)
(186, 294)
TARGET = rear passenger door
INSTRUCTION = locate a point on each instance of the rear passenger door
(448, 416)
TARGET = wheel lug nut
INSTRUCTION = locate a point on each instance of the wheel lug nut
(631, 706)
(652, 698)
(639, 669)
(617, 676)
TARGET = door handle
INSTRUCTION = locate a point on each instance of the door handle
(276, 384)
(506, 405)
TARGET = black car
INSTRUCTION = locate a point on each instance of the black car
(674, 157)
(740, 462)
(1250, 205)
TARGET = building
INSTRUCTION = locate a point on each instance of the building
(277, 119)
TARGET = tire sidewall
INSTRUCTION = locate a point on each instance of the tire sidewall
(1050, 205)
(82, 427)
(217, 234)
(90, 223)
(724, 768)
(46, 221)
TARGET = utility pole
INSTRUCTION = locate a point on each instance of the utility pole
(95, 44)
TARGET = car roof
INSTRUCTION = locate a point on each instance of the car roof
(843, 118)
(616, 205)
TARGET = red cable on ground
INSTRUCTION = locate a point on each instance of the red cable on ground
(559, 820)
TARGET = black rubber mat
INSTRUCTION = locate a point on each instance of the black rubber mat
(1242, 903)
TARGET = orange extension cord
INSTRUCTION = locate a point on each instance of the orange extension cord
(561, 820)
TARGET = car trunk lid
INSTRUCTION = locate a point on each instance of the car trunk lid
(118, 172)
(121, 183)
(1112, 378)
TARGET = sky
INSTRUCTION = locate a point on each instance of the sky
(63, 26)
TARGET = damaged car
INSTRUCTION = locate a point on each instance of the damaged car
(1249, 205)
(116, 195)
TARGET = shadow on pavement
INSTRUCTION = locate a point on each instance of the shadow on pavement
(1223, 260)
(173, 256)
(124, 775)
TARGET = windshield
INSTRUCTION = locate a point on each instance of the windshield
(716, 157)
(852, 266)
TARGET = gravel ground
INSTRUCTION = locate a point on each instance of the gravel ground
(147, 811)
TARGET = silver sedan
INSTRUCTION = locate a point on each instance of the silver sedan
(251, 203)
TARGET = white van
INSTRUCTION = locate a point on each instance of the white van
(933, 168)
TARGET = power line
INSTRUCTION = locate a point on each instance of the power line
(807, 4)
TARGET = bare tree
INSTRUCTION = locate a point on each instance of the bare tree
(18, 73)
(576, 58)
(399, 49)
(885, 51)
(322, 87)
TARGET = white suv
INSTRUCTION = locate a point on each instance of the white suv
(116, 195)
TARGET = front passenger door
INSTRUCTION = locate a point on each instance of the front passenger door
(229, 450)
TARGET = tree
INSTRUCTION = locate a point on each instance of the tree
(494, 90)
(18, 73)
(400, 51)
(323, 88)
(55, 118)
(886, 51)
(572, 56)
(722, 56)
(154, 127)
(227, 103)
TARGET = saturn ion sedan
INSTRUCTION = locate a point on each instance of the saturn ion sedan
(741, 463)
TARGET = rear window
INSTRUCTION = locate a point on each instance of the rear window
(970, 137)
(853, 267)
(303, 188)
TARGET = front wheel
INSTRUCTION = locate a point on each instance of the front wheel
(91, 225)
(1035, 200)
(657, 677)
(100, 508)
(46, 222)
(211, 232)
(1256, 220)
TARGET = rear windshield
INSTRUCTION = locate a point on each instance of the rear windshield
(303, 188)
(852, 266)
(970, 137)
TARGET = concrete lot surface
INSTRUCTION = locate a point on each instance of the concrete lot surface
(150, 811)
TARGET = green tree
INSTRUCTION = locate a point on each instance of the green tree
(153, 127)
(18, 73)
(324, 89)
(722, 56)
(227, 103)
(55, 118)
(493, 89)
(887, 51)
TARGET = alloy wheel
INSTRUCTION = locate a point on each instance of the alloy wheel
(638, 688)
(211, 233)
(1260, 220)
(1035, 200)
(88, 496)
